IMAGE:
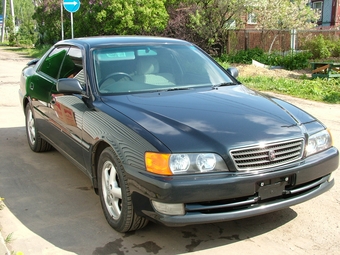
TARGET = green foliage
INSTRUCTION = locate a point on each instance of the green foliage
(105, 17)
(121, 17)
(290, 61)
(323, 47)
(47, 16)
(9, 238)
(39, 51)
(26, 35)
(319, 47)
(22, 33)
(10, 29)
(244, 56)
(317, 89)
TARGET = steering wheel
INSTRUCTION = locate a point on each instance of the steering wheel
(115, 74)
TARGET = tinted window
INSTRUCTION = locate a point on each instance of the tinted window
(72, 66)
(53, 61)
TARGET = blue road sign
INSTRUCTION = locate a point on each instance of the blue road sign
(1, 19)
(71, 5)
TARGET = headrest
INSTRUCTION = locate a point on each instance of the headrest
(147, 65)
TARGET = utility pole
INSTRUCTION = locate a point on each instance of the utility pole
(12, 13)
(4, 3)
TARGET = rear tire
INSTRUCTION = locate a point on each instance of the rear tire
(114, 194)
(36, 143)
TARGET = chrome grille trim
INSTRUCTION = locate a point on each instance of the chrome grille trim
(258, 157)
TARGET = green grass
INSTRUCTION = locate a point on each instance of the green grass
(324, 90)
(9, 238)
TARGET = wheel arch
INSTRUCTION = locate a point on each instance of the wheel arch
(97, 150)
(25, 101)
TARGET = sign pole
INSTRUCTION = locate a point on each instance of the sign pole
(11, 5)
(71, 6)
(62, 21)
(72, 25)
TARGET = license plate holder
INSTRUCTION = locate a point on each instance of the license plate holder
(273, 188)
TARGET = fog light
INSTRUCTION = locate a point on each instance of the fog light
(331, 177)
(169, 209)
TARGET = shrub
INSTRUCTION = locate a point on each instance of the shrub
(319, 47)
(244, 56)
(291, 61)
(296, 61)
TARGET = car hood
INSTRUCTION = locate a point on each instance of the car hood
(212, 119)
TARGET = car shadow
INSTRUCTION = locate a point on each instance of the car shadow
(56, 201)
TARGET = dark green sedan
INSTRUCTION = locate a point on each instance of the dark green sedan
(166, 134)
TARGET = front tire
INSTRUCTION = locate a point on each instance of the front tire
(114, 194)
(36, 143)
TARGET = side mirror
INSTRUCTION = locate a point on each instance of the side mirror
(233, 71)
(33, 62)
(69, 86)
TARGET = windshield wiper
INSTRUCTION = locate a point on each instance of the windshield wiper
(174, 89)
(224, 84)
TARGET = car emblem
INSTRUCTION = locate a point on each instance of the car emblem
(271, 155)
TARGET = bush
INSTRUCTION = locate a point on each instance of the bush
(319, 47)
(244, 56)
(295, 60)
(291, 61)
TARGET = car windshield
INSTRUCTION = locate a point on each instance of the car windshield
(163, 67)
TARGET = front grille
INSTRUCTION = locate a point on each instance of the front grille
(267, 155)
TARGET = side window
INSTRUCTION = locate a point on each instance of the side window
(72, 66)
(52, 63)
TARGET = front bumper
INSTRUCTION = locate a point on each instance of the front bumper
(229, 196)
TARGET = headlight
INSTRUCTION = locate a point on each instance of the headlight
(318, 142)
(183, 163)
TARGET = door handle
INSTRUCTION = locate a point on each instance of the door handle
(31, 86)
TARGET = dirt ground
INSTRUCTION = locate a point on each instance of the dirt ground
(252, 70)
(312, 227)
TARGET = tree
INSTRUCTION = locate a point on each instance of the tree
(208, 22)
(123, 17)
(47, 16)
(105, 17)
(24, 10)
(179, 20)
(284, 15)
(205, 22)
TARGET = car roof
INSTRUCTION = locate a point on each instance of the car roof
(103, 41)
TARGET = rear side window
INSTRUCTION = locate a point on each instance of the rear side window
(53, 61)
